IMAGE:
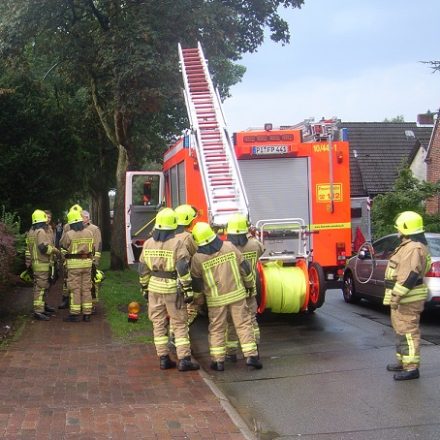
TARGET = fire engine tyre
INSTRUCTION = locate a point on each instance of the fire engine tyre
(317, 287)
(348, 289)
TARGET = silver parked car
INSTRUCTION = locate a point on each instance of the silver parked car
(364, 273)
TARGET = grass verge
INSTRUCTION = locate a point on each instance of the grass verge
(117, 290)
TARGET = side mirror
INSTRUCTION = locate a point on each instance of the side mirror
(364, 254)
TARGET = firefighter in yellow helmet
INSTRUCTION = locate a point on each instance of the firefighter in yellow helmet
(39, 250)
(65, 298)
(238, 234)
(405, 293)
(97, 240)
(166, 284)
(223, 275)
(186, 214)
(77, 247)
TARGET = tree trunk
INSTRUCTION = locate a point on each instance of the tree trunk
(118, 258)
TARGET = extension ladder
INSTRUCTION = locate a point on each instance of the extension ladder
(222, 182)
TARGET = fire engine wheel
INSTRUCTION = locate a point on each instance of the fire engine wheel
(317, 287)
(348, 289)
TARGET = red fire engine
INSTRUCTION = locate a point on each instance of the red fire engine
(294, 191)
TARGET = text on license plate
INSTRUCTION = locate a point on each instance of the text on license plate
(270, 149)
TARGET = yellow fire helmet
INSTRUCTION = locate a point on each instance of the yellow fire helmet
(166, 220)
(237, 224)
(203, 234)
(74, 216)
(39, 216)
(409, 223)
(76, 207)
(185, 214)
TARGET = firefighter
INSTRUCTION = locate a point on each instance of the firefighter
(38, 254)
(405, 293)
(97, 240)
(251, 249)
(186, 214)
(77, 248)
(65, 298)
(221, 273)
(166, 285)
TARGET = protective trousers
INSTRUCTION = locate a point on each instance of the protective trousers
(406, 324)
(231, 335)
(79, 283)
(218, 322)
(41, 284)
(160, 307)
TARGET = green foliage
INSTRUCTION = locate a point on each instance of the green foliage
(12, 225)
(117, 291)
(409, 194)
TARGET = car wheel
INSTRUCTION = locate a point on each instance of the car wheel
(348, 289)
(317, 287)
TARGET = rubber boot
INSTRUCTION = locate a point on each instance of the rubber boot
(48, 310)
(65, 303)
(72, 318)
(394, 367)
(254, 362)
(186, 364)
(86, 318)
(231, 358)
(166, 363)
(407, 374)
(218, 366)
(41, 316)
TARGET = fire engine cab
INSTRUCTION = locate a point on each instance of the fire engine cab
(292, 183)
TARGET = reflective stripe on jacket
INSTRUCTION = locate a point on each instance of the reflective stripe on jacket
(40, 261)
(162, 256)
(409, 257)
(78, 243)
(223, 274)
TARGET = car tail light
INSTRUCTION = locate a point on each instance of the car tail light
(341, 255)
(434, 270)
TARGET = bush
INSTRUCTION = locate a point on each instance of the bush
(12, 248)
(7, 257)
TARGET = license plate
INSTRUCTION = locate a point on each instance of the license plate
(270, 149)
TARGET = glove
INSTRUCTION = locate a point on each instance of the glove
(250, 292)
(394, 302)
(144, 292)
(188, 295)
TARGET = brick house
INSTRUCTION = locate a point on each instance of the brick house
(377, 150)
(433, 165)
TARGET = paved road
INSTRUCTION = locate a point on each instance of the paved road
(324, 377)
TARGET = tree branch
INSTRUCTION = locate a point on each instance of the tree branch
(102, 19)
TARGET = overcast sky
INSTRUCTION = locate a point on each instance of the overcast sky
(358, 60)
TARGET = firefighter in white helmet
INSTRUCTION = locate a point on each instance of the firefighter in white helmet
(77, 247)
(39, 250)
(405, 293)
(221, 273)
(166, 284)
(238, 234)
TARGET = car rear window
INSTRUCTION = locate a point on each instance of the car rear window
(434, 246)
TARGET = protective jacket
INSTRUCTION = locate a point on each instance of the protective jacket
(188, 240)
(39, 249)
(97, 241)
(405, 271)
(77, 248)
(252, 251)
(162, 264)
(225, 274)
